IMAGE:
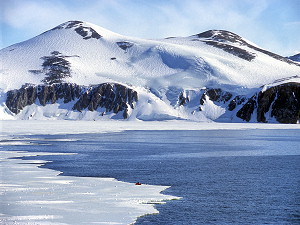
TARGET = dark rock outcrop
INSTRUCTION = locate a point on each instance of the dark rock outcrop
(217, 38)
(281, 101)
(46, 94)
(216, 95)
(113, 97)
(56, 68)
(286, 107)
(124, 45)
(239, 52)
(222, 36)
(247, 110)
(84, 31)
(237, 100)
(183, 99)
(17, 99)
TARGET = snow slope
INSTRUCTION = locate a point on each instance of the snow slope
(158, 69)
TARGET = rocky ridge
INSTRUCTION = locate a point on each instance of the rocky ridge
(224, 39)
(108, 96)
(280, 103)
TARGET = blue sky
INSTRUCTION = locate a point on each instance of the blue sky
(271, 24)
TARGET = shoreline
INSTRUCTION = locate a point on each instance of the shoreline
(51, 127)
(34, 195)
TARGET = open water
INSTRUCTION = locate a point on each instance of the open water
(223, 176)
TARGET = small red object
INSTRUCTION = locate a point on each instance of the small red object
(138, 183)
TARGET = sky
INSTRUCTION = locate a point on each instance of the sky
(271, 24)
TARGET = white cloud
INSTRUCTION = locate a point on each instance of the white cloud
(151, 19)
(33, 14)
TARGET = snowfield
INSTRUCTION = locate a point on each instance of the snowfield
(153, 63)
(50, 127)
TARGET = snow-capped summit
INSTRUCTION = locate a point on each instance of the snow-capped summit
(169, 75)
(86, 30)
(222, 36)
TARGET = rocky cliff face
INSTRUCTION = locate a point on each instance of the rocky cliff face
(113, 97)
(216, 95)
(281, 101)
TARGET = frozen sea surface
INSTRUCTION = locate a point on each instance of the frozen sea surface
(226, 176)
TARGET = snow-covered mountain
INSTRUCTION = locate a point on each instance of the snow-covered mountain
(78, 70)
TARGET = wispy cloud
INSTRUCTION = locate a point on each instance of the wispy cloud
(254, 20)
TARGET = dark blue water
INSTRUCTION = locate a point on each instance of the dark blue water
(223, 177)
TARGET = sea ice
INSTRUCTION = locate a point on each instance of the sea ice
(33, 195)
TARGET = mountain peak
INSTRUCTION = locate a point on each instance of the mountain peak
(86, 30)
(81, 28)
(222, 36)
(204, 77)
(69, 24)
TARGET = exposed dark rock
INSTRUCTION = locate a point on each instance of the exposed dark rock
(87, 32)
(285, 79)
(113, 97)
(81, 31)
(124, 45)
(239, 52)
(84, 31)
(235, 102)
(286, 107)
(219, 95)
(55, 67)
(17, 99)
(281, 102)
(216, 94)
(72, 24)
(264, 101)
(68, 25)
(219, 36)
(183, 99)
(45, 94)
(245, 113)
(222, 36)
(36, 72)
(275, 56)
